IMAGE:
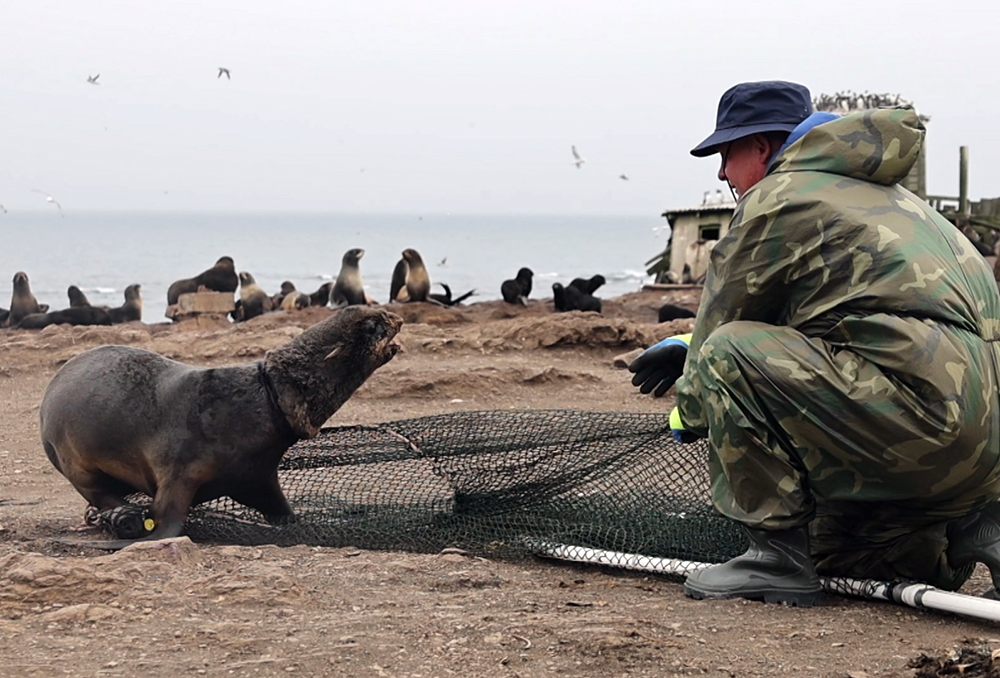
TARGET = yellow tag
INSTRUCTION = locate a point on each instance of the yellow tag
(149, 524)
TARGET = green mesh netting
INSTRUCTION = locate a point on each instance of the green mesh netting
(502, 484)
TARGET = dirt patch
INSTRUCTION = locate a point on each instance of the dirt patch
(211, 609)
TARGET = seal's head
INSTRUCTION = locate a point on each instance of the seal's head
(246, 279)
(317, 372)
(412, 257)
(21, 282)
(352, 256)
(226, 262)
(287, 287)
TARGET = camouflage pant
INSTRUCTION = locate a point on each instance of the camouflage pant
(802, 431)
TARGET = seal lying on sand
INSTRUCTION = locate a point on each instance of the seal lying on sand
(295, 301)
(81, 315)
(572, 299)
(76, 297)
(22, 301)
(349, 290)
(219, 278)
(253, 300)
(516, 291)
(672, 312)
(446, 298)
(287, 287)
(116, 420)
(131, 309)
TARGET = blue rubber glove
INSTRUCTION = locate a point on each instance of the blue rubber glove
(659, 366)
(681, 434)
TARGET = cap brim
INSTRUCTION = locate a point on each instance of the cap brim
(710, 145)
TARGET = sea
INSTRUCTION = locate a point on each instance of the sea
(102, 253)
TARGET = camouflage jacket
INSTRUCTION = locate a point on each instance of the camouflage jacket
(829, 244)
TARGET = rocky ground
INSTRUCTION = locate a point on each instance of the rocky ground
(181, 608)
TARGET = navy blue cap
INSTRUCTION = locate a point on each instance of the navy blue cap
(752, 107)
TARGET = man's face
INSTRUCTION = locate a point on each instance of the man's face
(744, 161)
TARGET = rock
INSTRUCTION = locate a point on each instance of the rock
(625, 359)
(80, 613)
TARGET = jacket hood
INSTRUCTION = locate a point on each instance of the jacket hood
(879, 146)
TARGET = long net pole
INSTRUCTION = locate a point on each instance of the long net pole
(912, 594)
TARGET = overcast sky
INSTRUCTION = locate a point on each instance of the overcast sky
(449, 106)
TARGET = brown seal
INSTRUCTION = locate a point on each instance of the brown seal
(131, 309)
(22, 301)
(253, 300)
(116, 420)
(295, 301)
(219, 278)
(572, 299)
(321, 297)
(80, 315)
(398, 281)
(77, 298)
(349, 290)
(287, 287)
(588, 285)
(418, 283)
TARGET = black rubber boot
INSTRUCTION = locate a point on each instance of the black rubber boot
(976, 539)
(776, 568)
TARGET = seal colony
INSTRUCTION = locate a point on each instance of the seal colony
(117, 420)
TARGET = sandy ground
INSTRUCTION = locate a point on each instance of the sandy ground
(208, 609)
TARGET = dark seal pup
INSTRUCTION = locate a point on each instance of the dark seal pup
(398, 280)
(117, 420)
(287, 287)
(516, 291)
(131, 309)
(321, 297)
(446, 298)
(673, 312)
(219, 278)
(572, 299)
(81, 315)
(349, 290)
(77, 298)
(22, 301)
(588, 285)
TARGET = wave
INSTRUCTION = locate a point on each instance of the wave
(98, 290)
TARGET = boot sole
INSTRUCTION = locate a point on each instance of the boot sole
(791, 598)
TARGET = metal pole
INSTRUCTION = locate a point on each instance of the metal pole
(920, 596)
(963, 179)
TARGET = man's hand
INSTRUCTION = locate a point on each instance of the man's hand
(659, 366)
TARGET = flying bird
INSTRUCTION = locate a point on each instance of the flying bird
(48, 199)
(3, 209)
(443, 262)
(623, 177)
(578, 161)
(92, 79)
(223, 71)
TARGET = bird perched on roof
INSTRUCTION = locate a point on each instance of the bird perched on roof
(224, 71)
(577, 159)
(92, 79)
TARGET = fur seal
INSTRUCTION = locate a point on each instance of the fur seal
(321, 297)
(131, 309)
(349, 290)
(287, 287)
(220, 278)
(80, 315)
(418, 283)
(295, 301)
(446, 299)
(588, 285)
(572, 299)
(22, 301)
(116, 420)
(398, 280)
(672, 312)
(76, 297)
(516, 291)
(253, 300)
